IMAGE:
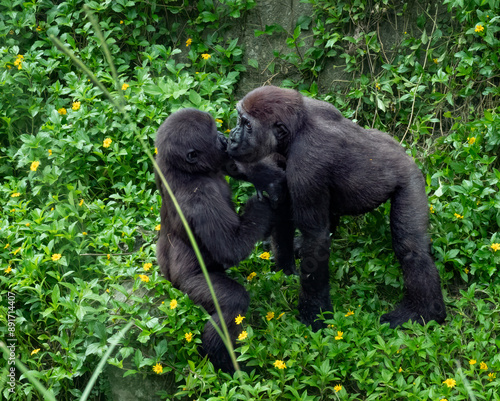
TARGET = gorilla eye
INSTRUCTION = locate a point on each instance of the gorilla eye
(192, 156)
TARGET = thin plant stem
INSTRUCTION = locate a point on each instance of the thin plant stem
(47, 394)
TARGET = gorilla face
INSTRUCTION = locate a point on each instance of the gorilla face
(268, 119)
(252, 140)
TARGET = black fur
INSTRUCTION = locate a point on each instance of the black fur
(192, 156)
(334, 168)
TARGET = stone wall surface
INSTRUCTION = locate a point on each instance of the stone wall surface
(262, 48)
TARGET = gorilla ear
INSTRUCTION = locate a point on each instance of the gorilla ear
(281, 131)
(192, 156)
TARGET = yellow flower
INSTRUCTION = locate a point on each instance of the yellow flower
(16, 251)
(238, 319)
(472, 362)
(173, 304)
(377, 85)
(337, 388)
(81, 202)
(76, 106)
(435, 60)
(15, 195)
(349, 313)
(147, 266)
(108, 256)
(188, 42)
(400, 370)
(19, 61)
(339, 335)
(8, 269)
(458, 216)
(144, 278)
(431, 209)
(483, 366)
(265, 255)
(281, 314)
(158, 369)
(188, 337)
(50, 152)
(279, 364)
(270, 315)
(450, 382)
(6, 246)
(491, 376)
(121, 22)
(466, 271)
(205, 56)
(28, 224)
(34, 165)
(35, 351)
(251, 276)
(479, 28)
(62, 111)
(156, 151)
(107, 142)
(471, 140)
(495, 247)
(125, 87)
(158, 227)
(218, 120)
(39, 28)
(242, 335)
(56, 257)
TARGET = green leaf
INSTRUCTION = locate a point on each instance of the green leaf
(195, 98)
(253, 63)
(56, 295)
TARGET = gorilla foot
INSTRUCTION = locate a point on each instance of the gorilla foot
(220, 359)
(403, 313)
(289, 269)
(309, 309)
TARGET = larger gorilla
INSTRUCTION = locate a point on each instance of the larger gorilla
(335, 168)
(192, 156)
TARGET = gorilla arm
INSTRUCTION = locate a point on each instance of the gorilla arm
(225, 235)
(267, 175)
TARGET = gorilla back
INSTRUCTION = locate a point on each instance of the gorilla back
(191, 156)
(334, 168)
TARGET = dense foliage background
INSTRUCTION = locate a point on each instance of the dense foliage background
(80, 208)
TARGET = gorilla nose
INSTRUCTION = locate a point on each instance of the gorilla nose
(233, 140)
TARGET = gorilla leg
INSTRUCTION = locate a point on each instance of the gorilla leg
(314, 277)
(233, 300)
(423, 299)
(282, 238)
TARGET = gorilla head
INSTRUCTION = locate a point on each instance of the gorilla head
(203, 150)
(268, 117)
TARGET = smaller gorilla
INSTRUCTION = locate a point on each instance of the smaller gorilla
(192, 156)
